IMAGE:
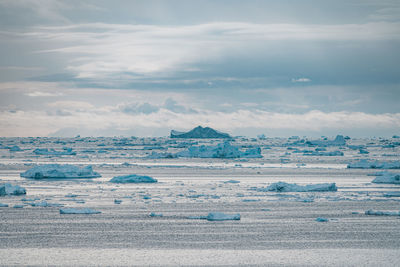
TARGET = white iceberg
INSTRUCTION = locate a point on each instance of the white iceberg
(133, 178)
(78, 211)
(199, 132)
(365, 164)
(57, 171)
(285, 187)
(339, 141)
(387, 178)
(219, 216)
(9, 189)
(222, 150)
(382, 213)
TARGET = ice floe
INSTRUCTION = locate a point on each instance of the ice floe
(52, 152)
(321, 219)
(57, 171)
(133, 178)
(387, 178)
(382, 213)
(219, 216)
(9, 189)
(222, 150)
(285, 187)
(366, 164)
(78, 211)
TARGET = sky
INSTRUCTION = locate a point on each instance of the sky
(145, 67)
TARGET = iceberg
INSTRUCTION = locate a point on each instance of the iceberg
(15, 149)
(153, 214)
(321, 219)
(387, 178)
(9, 189)
(365, 164)
(382, 213)
(339, 141)
(78, 211)
(285, 187)
(200, 132)
(222, 150)
(57, 171)
(133, 178)
(2, 205)
(219, 216)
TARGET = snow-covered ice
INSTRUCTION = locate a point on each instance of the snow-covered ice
(133, 178)
(57, 171)
(387, 178)
(9, 189)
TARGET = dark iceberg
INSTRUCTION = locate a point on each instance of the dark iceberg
(200, 132)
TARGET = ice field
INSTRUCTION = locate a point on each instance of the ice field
(285, 202)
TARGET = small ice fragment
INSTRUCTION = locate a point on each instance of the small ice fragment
(133, 178)
(321, 219)
(78, 211)
(117, 201)
(18, 206)
(355, 212)
(2, 205)
(285, 187)
(219, 216)
(57, 171)
(387, 178)
(232, 182)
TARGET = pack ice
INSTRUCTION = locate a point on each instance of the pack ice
(133, 178)
(222, 150)
(57, 171)
(9, 189)
(285, 187)
(387, 178)
(366, 164)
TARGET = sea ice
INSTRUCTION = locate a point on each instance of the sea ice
(57, 171)
(15, 149)
(9, 189)
(285, 187)
(219, 216)
(382, 213)
(321, 219)
(153, 214)
(2, 205)
(52, 152)
(78, 211)
(339, 141)
(387, 178)
(133, 178)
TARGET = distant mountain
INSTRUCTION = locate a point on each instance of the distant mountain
(200, 132)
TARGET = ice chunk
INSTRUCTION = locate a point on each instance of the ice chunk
(9, 189)
(222, 150)
(18, 206)
(339, 141)
(15, 149)
(57, 171)
(199, 132)
(78, 211)
(285, 187)
(321, 219)
(45, 204)
(2, 205)
(319, 153)
(387, 178)
(365, 164)
(117, 201)
(232, 182)
(219, 216)
(382, 213)
(133, 178)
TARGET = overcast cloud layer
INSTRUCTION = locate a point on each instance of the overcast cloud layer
(245, 67)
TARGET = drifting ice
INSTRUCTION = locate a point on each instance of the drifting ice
(365, 164)
(52, 152)
(9, 189)
(57, 171)
(382, 213)
(199, 132)
(285, 187)
(133, 178)
(78, 211)
(387, 178)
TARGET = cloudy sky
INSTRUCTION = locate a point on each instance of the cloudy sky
(144, 67)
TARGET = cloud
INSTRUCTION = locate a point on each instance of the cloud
(134, 108)
(43, 94)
